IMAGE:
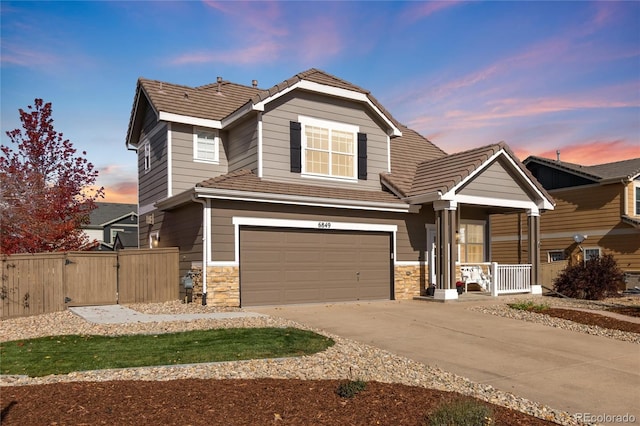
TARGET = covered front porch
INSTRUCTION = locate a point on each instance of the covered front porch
(463, 190)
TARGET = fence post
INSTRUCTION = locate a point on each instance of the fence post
(495, 283)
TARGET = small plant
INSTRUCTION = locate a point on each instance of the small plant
(351, 388)
(462, 412)
(595, 279)
(529, 306)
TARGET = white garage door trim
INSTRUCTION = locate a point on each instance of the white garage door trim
(304, 224)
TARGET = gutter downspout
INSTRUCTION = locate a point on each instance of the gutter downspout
(205, 244)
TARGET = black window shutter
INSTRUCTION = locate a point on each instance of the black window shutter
(295, 150)
(362, 156)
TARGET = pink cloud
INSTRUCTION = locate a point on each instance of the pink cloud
(588, 153)
(320, 39)
(267, 51)
(264, 16)
(15, 55)
(419, 10)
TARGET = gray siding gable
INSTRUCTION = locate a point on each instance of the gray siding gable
(276, 122)
(496, 181)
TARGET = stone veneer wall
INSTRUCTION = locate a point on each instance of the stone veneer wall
(409, 281)
(223, 286)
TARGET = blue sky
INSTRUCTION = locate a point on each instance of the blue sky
(541, 76)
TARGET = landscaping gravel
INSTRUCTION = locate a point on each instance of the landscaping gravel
(345, 360)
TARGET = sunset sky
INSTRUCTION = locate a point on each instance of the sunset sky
(541, 76)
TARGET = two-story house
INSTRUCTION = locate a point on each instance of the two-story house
(597, 211)
(311, 191)
(113, 226)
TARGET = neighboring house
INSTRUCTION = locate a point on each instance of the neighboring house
(597, 211)
(113, 226)
(310, 191)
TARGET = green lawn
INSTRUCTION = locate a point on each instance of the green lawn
(65, 354)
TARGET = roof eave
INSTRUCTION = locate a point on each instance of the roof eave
(229, 194)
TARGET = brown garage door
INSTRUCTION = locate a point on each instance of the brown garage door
(285, 266)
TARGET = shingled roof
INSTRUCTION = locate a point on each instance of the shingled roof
(217, 101)
(444, 173)
(625, 169)
(407, 151)
(245, 180)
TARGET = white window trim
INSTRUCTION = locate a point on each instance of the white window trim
(331, 125)
(584, 256)
(147, 156)
(556, 251)
(216, 145)
(112, 234)
(485, 243)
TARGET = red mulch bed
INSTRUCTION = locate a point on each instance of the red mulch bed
(247, 402)
(228, 402)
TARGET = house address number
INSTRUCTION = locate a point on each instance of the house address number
(324, 225)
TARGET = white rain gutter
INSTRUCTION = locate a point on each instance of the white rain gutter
(205, 243)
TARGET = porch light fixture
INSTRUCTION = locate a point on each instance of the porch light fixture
(579, 238)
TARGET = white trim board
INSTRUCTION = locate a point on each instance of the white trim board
(307, 224)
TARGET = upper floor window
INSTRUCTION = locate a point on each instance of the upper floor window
(205, 146)
(147, 156)
(591, 253)
(471, 242)
(329, 148)
(637, 199)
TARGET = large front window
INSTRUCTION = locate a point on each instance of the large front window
(471, 242)
(329, 149)
(637, 207)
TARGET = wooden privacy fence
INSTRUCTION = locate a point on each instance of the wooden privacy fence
(33, 284)
(549, 272)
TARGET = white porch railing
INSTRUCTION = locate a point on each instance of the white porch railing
(508, 279)
(496, 278)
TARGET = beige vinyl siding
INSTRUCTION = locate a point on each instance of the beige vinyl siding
(585, 208)
(243, 146)
(276, 160)
(506, 246)
(410, 237)
(495, 182)
(152, 184)
(187, 172)
(594, 211)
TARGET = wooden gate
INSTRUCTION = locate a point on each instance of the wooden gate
(33, 284)
(91, 279)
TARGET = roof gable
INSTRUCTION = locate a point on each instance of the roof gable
(108, 213)
(456, 176)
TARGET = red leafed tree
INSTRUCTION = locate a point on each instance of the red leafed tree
(45, 188)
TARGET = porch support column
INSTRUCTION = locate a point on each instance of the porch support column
(446, 249)
(534, 249)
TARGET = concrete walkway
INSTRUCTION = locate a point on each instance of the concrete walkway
(567, 370)
(118, 314)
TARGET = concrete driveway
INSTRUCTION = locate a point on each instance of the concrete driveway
(571, 371)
